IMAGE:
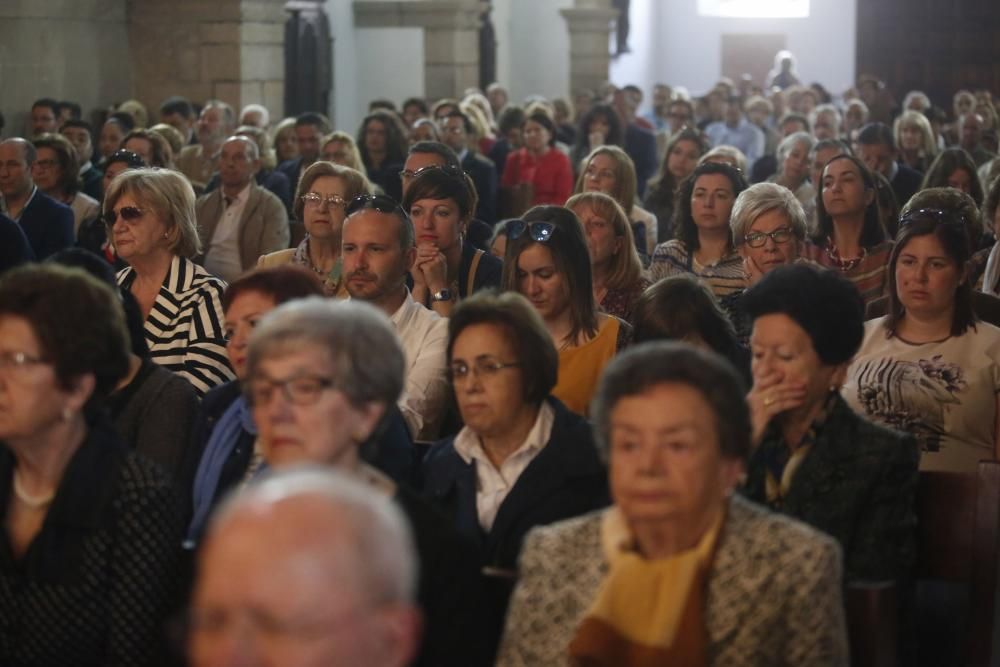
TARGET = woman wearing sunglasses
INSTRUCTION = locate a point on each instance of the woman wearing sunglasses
(522, 459)
(324, 191)
(150, 217)
(930, 367)
(548, 262)
(441, 201)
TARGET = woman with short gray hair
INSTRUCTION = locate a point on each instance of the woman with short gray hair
(793, 167)
(150, 217)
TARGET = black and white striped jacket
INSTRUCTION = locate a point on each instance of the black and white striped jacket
(184, 330)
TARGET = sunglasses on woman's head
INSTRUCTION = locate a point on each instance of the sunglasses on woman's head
(538, 231)
(936, 215)
(380, 203)
(126, 213)
(449, 169)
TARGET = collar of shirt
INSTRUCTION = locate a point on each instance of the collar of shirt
(3, 205)
(470, 448)
(85, 167)
(405, 312)
(239, 199)
(461, 156)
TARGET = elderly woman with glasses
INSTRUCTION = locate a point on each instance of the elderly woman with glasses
(680, 570)
(814, 457)
(441, 201)
(324, 191)
(150, 215)
(89, 549)
(704, 244)
(522, 459)
(56, 172)
(769, 230)
(547, 261)
(930, 367)
(322, 380)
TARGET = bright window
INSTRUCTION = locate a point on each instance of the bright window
(754, 9)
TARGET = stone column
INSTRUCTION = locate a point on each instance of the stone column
(589, 23)
(451, 38)
(225, 49)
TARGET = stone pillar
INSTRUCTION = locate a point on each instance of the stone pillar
(451, 38)
(225, 49)
(589, 23)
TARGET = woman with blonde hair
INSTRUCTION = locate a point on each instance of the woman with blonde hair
(339, 148)
(616, 270)
(915, 138)
(286, 144)
(610, 170)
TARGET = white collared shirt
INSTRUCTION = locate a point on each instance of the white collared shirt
(424, 336)
(223, 255)
(492, 485)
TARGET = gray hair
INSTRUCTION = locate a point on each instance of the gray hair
(228, 116)
(760, 198)
(379, 536)
(730, 155)
(253, 150)
(368, 363)
(789, 142)
(28, 151)
(916, 95)
(826, 109)
(265, 115)
(170, 195)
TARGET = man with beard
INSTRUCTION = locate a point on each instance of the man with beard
(200, 161)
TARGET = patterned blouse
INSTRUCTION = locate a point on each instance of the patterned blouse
(869, 275)
(621, 301)
(333, 284)
(724, 277)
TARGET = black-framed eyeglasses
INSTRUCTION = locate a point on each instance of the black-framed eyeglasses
(299, 390)
(482, 367)
(380, 203)
(316, 200)
(538, 231)
(935, 215)
(448, 169)
(128, 214)
(759, 239)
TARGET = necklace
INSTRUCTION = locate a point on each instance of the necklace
(34, 502)
(844, 265)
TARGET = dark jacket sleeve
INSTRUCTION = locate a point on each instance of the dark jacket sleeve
(14, 246)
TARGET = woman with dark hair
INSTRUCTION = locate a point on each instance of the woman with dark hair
(382, 142)
(153, 148)
(683, 308)
(112, 132)
(954, 168)
(56, 172)
(599, 126)
(930, 367)
(616, 269)
(815, 459)
(704, 244)
(989, 259)
(539, 173)
(849, 235)
(522, 458)
(610, 170)
(679, 570)
(441, 203)
(509, 127)
(684, 150)
(89, 557)
(548, 262)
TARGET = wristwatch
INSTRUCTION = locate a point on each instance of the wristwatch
(441, 295)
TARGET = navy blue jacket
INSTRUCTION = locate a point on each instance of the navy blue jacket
(483, 173)
(14, 246)
(48, 225)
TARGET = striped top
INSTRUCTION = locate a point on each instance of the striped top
(724, 277)
(184, 329)
(870, 276)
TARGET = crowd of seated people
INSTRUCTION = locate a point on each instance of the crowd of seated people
(539, 424)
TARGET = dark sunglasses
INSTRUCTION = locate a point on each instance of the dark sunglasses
(127, 213)
(381, 203)
(449, 169)
(133, 160)
(538, 231)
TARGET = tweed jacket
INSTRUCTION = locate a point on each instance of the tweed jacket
(263, 224)
(774, 593)
(857, 484)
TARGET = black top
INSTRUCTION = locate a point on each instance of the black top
(483, 173)
(488, 273)
(14, 246)
(47, 224)
(99, 580)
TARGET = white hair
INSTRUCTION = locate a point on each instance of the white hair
(265, 115)
(380, 535)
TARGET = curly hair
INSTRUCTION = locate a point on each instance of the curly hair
(684, 228)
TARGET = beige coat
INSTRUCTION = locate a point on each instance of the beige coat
(263, 225)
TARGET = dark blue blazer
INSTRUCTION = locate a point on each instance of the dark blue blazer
(483, 173)
(48, 225)
(14, 246)
(905, 184)
(640, 144)
(291, 168)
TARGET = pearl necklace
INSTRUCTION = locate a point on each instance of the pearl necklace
(34, 502)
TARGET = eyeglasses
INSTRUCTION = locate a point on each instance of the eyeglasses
(46, 164)
(484, 367)
(449, 169)
(316, 200)
(300, 390)
(759, 239)
(538, 231)
(18, 360)
(381, 203)
(129, 214)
